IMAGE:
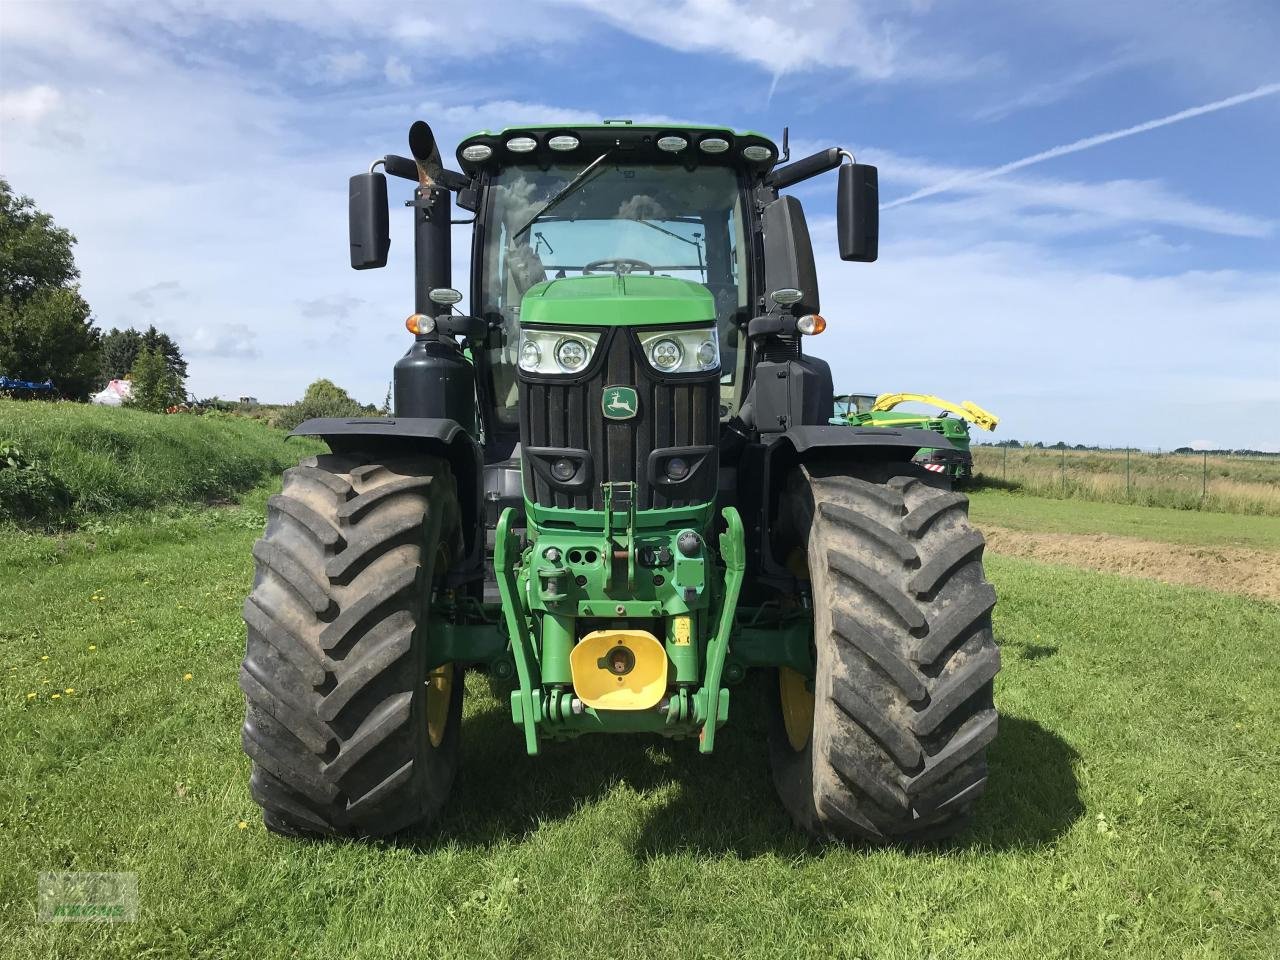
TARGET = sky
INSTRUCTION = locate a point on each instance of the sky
(1081, 217)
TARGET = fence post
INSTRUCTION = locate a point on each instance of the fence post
(1006, 464)
(1204, 478)
(1064, 471)
(1128, 487)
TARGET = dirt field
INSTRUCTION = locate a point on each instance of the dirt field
(1238, 570)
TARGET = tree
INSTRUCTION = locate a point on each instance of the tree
(46, 332)
(155, 385)
(120, 350)
(324, 398)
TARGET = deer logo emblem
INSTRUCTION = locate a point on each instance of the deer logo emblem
(619, 403)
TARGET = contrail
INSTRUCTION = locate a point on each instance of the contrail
(1101, 138)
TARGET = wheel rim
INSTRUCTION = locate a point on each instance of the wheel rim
(794, 689)
(439, 697)
(439, 693)
(797, 707)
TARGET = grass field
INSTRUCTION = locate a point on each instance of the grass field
(77, 462)
(1020, 512)
(1218, 484)
(1133, 808)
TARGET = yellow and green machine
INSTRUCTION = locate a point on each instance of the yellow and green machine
(952, 421)
(611, 482)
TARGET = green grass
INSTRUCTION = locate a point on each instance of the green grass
(88, 461)
(1019, 511)
(1133, 806)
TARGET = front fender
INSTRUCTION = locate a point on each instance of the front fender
(907, 440)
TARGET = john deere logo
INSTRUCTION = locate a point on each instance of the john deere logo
(620, 403)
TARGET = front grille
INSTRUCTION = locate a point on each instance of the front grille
(679, 412)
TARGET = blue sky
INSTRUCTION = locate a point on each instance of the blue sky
(1126, 292)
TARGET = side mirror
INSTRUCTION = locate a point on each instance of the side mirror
(788, 257)
(858, 212)
(368, 220)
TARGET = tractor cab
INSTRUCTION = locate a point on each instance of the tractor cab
(611, 202)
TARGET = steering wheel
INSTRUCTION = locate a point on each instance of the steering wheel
(619, 265)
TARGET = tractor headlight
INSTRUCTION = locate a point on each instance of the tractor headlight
(666, 354)
(530, 355)
(571, 354)
(682, 351)
(556, 351)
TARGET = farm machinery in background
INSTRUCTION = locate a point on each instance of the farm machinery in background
(613, 483)
(954, 461)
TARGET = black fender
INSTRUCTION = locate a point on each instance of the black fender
(878, 442)
(776, 455)
(383, 436)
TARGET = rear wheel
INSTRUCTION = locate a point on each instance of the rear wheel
(888, 742)
(348, 731)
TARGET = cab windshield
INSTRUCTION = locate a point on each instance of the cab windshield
(667, 220)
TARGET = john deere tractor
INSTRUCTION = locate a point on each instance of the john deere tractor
(611, 483)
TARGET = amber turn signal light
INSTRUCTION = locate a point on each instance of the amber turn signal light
(418, 323)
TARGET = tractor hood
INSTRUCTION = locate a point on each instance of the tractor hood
(617, 300)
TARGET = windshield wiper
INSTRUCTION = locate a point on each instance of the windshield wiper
(564, 191)
(696, 244)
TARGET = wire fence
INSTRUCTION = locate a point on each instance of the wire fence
(1233, 483)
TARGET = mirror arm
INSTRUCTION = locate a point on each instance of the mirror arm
(803, 169)
(406, 169)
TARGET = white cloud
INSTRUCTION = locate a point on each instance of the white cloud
(1230, 43)
(1088, 342)
(397, 72)
(874, 39)
(1048, 207)
(229, 340)
(337, 67)
(1053, 91)
(155, 295)
(1087, 143)
(29, 105)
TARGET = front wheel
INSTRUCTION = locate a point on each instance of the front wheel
(348, 731)
(888, 741)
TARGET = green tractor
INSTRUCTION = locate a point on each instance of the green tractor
(955, 460)
(612, 484)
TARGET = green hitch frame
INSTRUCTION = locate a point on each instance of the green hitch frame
(524, 708)
(540, 705)
(733, 552)
(557, 644)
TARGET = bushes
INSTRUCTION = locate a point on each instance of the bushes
(324, 398)
(71, 461)
(156, 387)
(27, 488)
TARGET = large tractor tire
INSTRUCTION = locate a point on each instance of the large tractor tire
(348, 731)
(888, 743)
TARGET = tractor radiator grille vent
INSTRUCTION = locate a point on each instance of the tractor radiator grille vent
(682, 411)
